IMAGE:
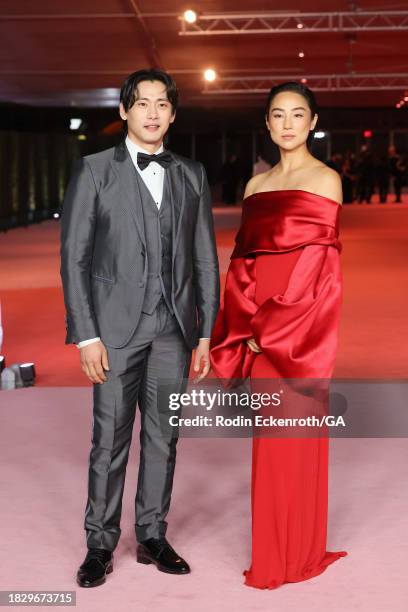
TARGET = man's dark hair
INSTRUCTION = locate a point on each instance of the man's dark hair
(298, 88)
(128, 92)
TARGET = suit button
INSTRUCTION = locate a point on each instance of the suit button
(141, 284)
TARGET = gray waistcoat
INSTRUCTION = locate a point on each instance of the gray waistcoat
(158, 232)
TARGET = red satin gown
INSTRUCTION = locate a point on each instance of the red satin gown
(283, 288)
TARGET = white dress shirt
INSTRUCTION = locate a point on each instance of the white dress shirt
(153, 178)
(153, 175)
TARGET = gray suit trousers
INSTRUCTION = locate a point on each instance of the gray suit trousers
(157, 350)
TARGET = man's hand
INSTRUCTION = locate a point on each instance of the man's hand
(253, 345)
(94, 360)
(202, 359)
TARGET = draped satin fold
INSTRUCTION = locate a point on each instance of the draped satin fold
(297, 329)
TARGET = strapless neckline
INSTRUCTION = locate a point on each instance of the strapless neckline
(257, 193)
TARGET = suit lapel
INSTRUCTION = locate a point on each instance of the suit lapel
(176, 185)
(129, 188)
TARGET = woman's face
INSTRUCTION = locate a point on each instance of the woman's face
(290, 120)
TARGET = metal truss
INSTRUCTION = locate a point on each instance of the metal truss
(289, 22)
(318, 82)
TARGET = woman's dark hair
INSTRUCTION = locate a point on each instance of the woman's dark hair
(300, 89)
(128, 92)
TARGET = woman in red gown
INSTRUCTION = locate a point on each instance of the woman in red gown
(279, 319)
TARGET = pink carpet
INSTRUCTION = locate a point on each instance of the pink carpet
(45, 438)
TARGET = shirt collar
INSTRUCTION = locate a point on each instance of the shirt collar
(134, 149)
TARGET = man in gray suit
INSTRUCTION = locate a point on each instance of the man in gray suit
(141, 289)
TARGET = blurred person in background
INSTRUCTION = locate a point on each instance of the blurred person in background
(348, 177)
(230, 176)
(260, 165)
(335, 162)
(398, 170)
(365, 170)
(382, 175)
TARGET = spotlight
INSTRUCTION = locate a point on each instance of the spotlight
(319, 134)
(56, 215)
(18, 375)
(367, 133)
(190, 16)
(304, 80)
(18, 380)
(406, 99)
(210, 74)
(8, 379)
(301, 54)
(75, 123)
(300, 26)
(27, 373)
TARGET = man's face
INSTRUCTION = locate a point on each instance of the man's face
(150, 116)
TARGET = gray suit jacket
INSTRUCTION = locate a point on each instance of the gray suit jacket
(103, 249)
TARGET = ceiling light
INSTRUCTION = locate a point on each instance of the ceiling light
(75, 124)
(190, 16)
(210, 74)
(301, 54)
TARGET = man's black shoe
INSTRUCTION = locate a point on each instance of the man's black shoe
(165, 558)
(98, 562)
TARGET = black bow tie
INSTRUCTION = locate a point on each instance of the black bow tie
(164, 159)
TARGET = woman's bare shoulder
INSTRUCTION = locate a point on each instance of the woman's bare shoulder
(328, 183)
(254, 184)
